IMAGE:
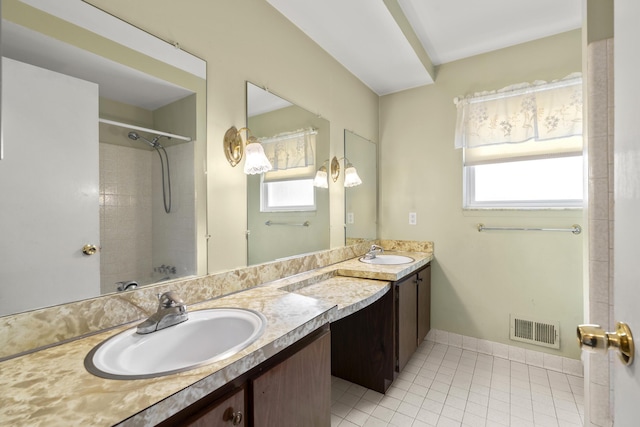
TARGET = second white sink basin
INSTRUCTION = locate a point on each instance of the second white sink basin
(208, 336)
(388, 259)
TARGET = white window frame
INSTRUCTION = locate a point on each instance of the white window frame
(264, 197)
(525, 122)
(469, 202)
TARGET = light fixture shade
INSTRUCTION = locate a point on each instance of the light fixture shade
(322, 179)
(351, 178)
(256, 161)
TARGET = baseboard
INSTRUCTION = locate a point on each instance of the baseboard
(517, 354)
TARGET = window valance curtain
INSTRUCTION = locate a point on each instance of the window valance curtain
(291, 150)
(539, 111)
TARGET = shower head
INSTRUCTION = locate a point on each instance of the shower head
(135, 136)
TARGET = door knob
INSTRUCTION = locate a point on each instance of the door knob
(594, 339)
(89, 249)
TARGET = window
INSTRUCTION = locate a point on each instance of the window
(522, 147)
(528, 183)
(289, 186)
(286, 196)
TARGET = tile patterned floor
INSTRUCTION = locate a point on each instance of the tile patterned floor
(446, 386)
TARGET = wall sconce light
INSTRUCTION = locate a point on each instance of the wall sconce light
(321, 180)
(234, 148)
(351, 178)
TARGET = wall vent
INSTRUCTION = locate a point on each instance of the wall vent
(526, 329)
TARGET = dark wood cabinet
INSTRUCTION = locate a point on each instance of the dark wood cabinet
(229, 411)
(297, 391)
(362, 346)
(291, 389)
(371, 346)
(407, 324)
(413, 307)
(424, 303)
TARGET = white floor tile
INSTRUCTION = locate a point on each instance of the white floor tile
(357, 417)
(375, 422)
(446, 386)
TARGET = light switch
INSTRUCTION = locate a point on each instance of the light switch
(413, 218)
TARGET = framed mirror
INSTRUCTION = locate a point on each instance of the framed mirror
(103, 125)
(361, 202)
(286, 214)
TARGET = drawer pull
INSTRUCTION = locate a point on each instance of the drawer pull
(234, 416)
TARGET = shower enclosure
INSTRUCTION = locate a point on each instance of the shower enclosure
(147, 201)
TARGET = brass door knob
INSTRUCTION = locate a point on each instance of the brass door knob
(89, 249)
(594, 339)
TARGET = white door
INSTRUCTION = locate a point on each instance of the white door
(626, 380)
(48, 188)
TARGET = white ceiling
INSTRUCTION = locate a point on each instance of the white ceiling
(366, 39)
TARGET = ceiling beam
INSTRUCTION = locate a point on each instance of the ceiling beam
(398, 15)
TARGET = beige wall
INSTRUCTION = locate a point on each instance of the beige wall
(479, 278)
(249, 40)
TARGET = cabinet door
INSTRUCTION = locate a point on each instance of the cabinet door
(362, 345)
(297, 391)
(424, 303)
(229, 412)
(406, 297)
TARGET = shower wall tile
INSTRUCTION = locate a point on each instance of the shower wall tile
(599, 157)
(174, 237)
(599, 199)
(601, 220)
(125, 175)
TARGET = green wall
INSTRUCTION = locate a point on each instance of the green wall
(479, 278)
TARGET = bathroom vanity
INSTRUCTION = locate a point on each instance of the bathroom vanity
(372, 346)
(283, 378)
(277, 392)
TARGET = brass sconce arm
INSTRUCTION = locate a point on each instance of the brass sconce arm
(234, 150)
(335, 168)
(233, 145)
(351, 175)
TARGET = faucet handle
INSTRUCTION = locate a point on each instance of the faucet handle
(170, 299)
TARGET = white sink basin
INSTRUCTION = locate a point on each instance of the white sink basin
(388, 259)
(208, 336)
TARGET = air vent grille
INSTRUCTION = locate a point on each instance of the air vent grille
(532, 331)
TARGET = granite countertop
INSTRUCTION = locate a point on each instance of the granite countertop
(356, 268)
(346, 293)
(51, 386)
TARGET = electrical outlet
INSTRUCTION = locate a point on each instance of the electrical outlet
(350, 219)
(413, 218)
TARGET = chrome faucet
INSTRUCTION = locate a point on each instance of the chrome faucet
(126, 285)
(373, 251)
(171, 311)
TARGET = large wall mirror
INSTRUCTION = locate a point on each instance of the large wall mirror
(287, 215)
(361, 202)
(103, 148)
